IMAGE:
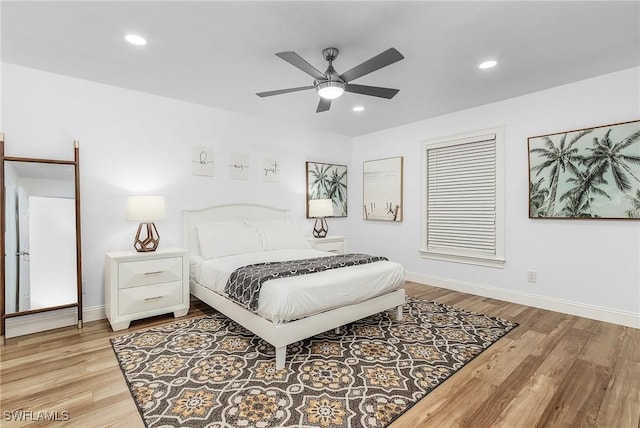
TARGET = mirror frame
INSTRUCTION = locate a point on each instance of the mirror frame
(76, 164)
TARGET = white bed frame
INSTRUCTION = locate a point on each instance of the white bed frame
(278, 335)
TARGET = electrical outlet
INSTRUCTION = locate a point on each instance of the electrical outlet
(532, 276)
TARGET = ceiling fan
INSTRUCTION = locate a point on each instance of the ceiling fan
(330, 85)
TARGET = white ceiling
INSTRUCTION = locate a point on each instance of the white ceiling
(221, 53)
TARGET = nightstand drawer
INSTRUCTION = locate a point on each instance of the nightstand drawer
(145, 272)
(333, 247)
(139, 299)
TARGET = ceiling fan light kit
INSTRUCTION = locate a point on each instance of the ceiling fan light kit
(331, 85)
(330, 90)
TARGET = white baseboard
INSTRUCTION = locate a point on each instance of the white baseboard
(93, 313)
(599, 313)
(42, 321)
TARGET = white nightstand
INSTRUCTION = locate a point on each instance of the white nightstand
(140, 285)
(333, 244)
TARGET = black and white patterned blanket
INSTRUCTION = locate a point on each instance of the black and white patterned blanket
(244, 283)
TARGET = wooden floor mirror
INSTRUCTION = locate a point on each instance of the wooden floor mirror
(41, 267)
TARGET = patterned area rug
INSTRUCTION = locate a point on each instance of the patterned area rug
(211, 372)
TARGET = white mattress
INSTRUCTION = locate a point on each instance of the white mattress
(287, 299)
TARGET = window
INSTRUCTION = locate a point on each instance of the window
(463, 198)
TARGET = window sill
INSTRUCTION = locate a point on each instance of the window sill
(459, 258)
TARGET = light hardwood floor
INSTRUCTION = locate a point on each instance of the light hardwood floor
(554, 370)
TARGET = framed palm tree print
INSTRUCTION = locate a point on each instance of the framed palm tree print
(328, 181)
(588, 173)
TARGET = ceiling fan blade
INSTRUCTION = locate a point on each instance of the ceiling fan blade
(387, 57)
(297, 61)
(283, 91)
(323, 105)
(374, 91)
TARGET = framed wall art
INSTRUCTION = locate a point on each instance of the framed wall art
(382, 189)
(239, 166)
(202, 161)
(270, 170)
(588, 173)
(328, 181)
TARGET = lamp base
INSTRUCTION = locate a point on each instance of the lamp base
(321, 228)
(148, 243)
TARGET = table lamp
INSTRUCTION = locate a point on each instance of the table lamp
(319, 209)
(146, 210)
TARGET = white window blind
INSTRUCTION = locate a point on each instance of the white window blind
(462, 199)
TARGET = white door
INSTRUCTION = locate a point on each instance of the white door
(52, 229)
(11, 250)
(24, 260)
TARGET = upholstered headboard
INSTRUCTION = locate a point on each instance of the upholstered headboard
(229, 212)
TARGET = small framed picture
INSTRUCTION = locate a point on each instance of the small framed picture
(270, 170)
(239, 166)
(382, 189)
(202, 162)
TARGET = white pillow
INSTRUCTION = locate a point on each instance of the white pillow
(227, 238)
(279, 235)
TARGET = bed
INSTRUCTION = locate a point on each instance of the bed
(288, 309)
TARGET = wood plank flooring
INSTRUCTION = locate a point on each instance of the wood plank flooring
(554, 370)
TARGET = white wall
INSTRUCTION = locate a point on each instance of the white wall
(135, 143)
(585, 267)
(49, 187)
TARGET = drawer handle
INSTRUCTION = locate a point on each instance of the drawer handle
(154, 272)
(153, 298)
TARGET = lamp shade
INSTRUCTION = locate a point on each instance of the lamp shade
(320, 208)
(145, 209)
(330, 89)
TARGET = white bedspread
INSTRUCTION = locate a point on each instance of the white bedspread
(287, 299)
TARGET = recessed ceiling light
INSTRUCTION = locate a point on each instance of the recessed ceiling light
(488, 64)
(135, 40)
(358, 108)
